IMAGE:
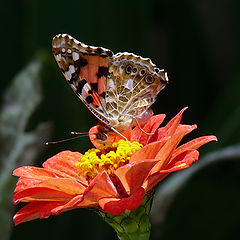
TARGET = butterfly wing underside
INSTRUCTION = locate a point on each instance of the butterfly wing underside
(85, 68)
(132, 87)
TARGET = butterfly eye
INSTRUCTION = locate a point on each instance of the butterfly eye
(149, 79)
(128, 68)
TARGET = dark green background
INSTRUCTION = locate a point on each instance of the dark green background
(196, 42)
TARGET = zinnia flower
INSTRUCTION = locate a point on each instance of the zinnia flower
(115, 176)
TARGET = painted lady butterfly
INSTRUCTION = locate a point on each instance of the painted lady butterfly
(117, 89)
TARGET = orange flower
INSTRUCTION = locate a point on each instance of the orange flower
(115, 176)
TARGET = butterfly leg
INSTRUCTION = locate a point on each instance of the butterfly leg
(138, 124)
(116, 131)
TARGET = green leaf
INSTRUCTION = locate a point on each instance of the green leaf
(17, 146)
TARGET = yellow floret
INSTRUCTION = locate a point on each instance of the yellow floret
(108, 157)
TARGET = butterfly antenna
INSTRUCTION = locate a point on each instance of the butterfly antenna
(80, 133)
(150, 134)
(69, 139)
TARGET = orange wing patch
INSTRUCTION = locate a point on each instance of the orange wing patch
(85, 68)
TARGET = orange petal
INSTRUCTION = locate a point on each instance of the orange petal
(24, 183)
(165, 152)
(35, 210)
(194, 144)
(133, 175)
(174, 122)
(101, 186)
(63, 164)
(153, 180)
(33, 172)
(40, 194)
(69, 205)
(116, 206)
(182, 161)
(149, 151)
(150, 127)
(30, 176)
(62, 187)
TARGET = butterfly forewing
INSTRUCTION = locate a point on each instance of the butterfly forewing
(85, 68)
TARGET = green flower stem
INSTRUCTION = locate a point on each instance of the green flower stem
(132, 225)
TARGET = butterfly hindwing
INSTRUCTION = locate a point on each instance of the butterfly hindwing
(86, 69)
(133, 85)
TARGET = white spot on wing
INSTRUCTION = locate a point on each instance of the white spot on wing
(129, 84)
(111, 83)
(58, 57)
(75, 56)
(84, 51)
(68, 75)
(166, 76)
(71, 69)
(58, 44)
(85, 90)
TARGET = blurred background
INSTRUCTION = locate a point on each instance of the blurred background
(196, 42)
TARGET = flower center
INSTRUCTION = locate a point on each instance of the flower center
(106, 158)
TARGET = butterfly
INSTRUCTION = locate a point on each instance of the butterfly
(117, 89)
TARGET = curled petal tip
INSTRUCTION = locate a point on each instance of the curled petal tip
(213, 138)
(184, 109)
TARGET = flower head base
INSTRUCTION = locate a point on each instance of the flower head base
(106, 158)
